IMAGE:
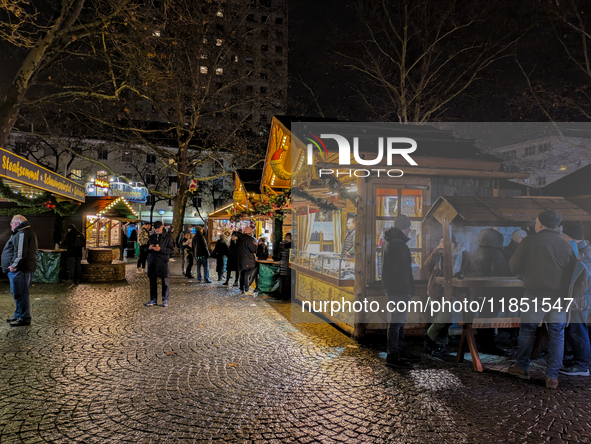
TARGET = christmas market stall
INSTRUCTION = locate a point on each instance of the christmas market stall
(464, 218)
(236, 215)
(102, 220)
(44, 198)
(341, 208)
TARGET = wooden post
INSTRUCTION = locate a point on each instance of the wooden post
(445, 214)
(362, 253)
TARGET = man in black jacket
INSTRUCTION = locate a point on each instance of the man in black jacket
(399, 285)
(160, 247)
(545, 263)
(19, 260)
(201, 253)
(247, 247)
(74, 242)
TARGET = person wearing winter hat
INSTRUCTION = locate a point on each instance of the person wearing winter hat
(545, 263)
(398, 283)
(577, 331)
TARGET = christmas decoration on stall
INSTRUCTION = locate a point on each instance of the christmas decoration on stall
(269, 206)
(322, 204)
(30, 206)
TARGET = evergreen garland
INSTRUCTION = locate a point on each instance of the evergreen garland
(323, 205)
(44, 203)
(270, 206)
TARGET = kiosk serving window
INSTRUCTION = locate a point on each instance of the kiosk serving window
(390, 202)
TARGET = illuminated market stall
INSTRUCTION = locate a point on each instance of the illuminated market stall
(43, 197)
(236, 215)
(102, 220)
(339, 222)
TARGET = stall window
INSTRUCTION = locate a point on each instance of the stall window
(390, 202)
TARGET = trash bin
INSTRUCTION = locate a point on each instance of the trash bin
(48, 266)
(268, 278)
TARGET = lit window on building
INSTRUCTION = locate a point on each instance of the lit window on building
(156, 33)
(203, 56)
(76, 174)
(220, 13)
(218, 42)
(203, 69)
(102, 175)
(219, 71)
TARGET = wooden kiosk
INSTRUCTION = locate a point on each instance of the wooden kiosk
(446, 165)
(466, 217)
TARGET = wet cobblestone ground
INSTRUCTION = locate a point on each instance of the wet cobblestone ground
(97, 366)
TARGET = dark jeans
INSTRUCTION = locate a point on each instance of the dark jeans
(555, 323)
(141, 262)
(396, 321)
(20, 283)
(189, 265)
(246, 278)
(154, 288)
(579, 335)
(236, 278)
(220, 267)
(74, 269)
(202, 261)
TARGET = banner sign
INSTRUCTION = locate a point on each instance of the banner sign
(130, 193)
(21, 170)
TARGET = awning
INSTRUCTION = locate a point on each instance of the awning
(110, 207)
(503, 211)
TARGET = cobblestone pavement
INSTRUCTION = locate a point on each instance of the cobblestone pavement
(97, 366)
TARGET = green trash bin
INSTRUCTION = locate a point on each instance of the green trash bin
(268, 278)
(48, 267)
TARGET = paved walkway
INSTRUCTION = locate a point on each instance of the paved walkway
(96, 366)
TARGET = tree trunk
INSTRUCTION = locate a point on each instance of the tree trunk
(179, 205)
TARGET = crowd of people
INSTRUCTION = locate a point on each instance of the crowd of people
(235, 252)
(546, 260)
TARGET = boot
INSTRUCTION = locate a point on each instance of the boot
(394, 361)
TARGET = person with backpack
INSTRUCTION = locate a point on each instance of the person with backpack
(545, 263)
(74, 242)
(574, 232)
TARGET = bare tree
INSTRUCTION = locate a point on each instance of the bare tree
(42, 35)
(415, 57)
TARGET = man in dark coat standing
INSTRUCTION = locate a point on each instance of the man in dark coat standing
(19, 260)
(247, 262)
(545, 263)
(74, 242)
(201, 253)
(399, 285)
(160, 247)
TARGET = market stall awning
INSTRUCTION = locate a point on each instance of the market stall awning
(503, 211)
(110, 207)
(27, 177)
(224, 212)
